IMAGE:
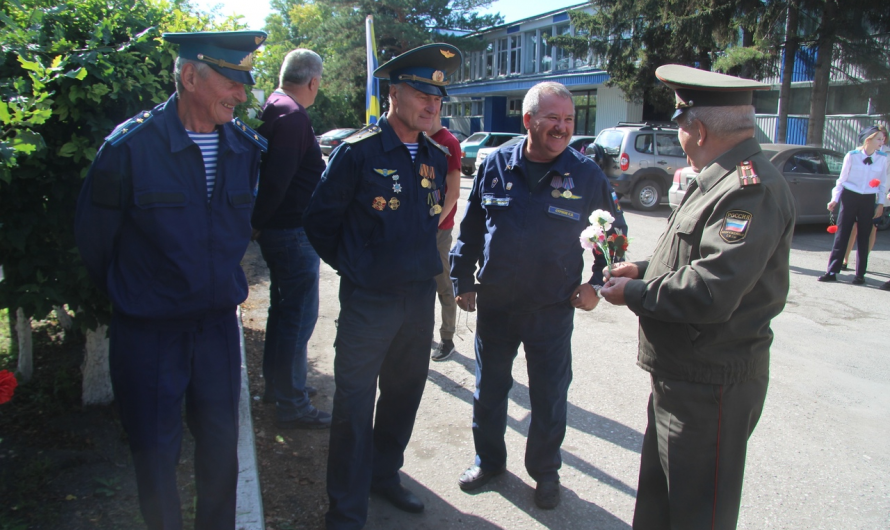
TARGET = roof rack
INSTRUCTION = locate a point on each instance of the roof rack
(648, 124)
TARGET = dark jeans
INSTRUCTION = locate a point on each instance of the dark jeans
(154, 366)
(383, 339)
(546, 335)
(693, 458)
(293, 311)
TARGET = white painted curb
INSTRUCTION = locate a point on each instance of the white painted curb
(249, 507)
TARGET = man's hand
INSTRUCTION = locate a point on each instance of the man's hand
(466, 301)
(613, 291)
(625, 269)
(255, 235)
(585, 297)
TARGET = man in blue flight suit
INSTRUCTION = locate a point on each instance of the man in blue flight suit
(528, 207)
(373, 218)
(162, 223)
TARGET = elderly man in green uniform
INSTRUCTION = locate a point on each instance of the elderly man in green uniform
(705, 299)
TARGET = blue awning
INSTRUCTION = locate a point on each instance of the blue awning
(511, 84)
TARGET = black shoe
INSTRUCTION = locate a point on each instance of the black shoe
(845, 267)
(400, 497)
(310, 390)
(475, 477)
(885, 286)
(858, 280)
(314, 420)
(547, 495)
(443, 350)
(827, 277)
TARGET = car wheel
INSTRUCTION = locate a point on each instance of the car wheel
(467, 171)
(646, 196)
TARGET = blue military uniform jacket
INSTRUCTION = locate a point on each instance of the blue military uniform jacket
(145, 229)
(371, 218)
(526, 241)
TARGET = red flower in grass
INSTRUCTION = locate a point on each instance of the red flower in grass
(874, 183)
(7, 385)
(832, 229)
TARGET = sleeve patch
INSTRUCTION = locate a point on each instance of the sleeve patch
(735, 225)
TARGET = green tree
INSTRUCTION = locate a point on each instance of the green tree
(335, 29)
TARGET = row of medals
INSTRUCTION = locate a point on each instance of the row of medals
(396, 187)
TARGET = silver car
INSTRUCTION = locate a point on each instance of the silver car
(811, 173)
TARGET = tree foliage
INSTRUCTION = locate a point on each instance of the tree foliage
(335, 29)
(70, 71)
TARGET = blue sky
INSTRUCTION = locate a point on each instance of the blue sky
(255, 11)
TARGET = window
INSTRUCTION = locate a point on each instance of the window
(546, 47)
(610, 141)
(502, 56)
(834, 163)
(643, 144)
(531, 50)
(585, 112)
(669, 145)
(489, 61)
(515, 54)
(563, 57)
(584, 60)
(804, 162)
(514, 107)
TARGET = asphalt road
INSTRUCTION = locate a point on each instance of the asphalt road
(818, 459)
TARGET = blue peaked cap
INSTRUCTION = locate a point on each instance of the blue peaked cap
(228, 52)
(424, 68)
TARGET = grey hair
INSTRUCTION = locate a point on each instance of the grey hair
(720, 120)
(202, 69)
(299, 67)
(532, 101)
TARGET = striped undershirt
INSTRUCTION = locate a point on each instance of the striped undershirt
(209, 144)
(412, 148)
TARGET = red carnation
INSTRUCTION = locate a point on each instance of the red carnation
(7, 385)
(832, 229)
(874, 183)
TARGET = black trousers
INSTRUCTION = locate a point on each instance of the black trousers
(693, 458)
(858, 209)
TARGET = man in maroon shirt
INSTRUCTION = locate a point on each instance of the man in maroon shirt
(288, 175)
(443, 136)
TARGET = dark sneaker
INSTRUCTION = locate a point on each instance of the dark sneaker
(314, 420)
(547, 495)
(827, 277)
(270, 398)
(885, 286)
(443, 351)
(400, 497)
(858, 280)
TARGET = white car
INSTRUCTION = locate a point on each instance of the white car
(683, 177)
(579, 143)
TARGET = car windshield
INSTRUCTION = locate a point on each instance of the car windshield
(610, 141)
(478, 137)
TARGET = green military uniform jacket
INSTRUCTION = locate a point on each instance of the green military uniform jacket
(718, 276)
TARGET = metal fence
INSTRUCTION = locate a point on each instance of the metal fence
(841, 131)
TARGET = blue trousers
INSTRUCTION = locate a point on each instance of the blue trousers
(154, 366)
(546, 335)
(383, 338)
(293, 311)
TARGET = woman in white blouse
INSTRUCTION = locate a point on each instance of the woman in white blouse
(860, 191)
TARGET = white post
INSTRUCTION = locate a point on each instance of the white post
(23, 333)
(96, 373)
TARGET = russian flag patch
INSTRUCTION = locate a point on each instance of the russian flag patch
(735, 225)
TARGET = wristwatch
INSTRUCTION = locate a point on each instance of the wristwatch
(597, 288)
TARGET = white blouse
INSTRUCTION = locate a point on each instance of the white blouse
(856, 175)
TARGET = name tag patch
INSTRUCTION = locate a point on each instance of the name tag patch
(562, 212)
(735, 225)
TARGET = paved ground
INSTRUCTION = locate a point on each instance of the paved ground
(818, 459)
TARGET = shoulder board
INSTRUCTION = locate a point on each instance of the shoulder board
(854, 151)
(747, 175)
(437, 144)
(255, 138)
(880, 153)
(365, 133)
(124, 131)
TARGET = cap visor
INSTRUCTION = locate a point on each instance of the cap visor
(432, 90)
(234, 75)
